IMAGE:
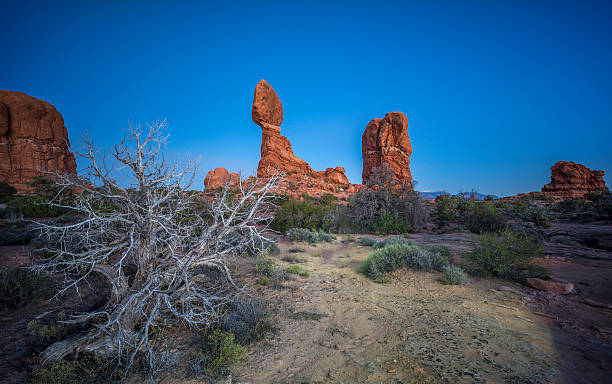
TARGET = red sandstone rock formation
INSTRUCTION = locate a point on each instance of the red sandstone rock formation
(220, 176)
(277, 155)
(559, 286)
(33, 140)
(386, 141)
(571, 180)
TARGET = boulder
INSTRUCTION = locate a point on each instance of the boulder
(267, 107)
(386, 141)
(218, 177)
(33, 140)
(571, 180)
(559, 286)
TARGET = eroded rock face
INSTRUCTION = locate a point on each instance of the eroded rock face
(219, 176)
(571, 180)
(33, 139)
(277, 154)
(386, 141)
(559, 286)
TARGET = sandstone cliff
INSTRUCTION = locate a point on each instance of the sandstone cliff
(33, 139)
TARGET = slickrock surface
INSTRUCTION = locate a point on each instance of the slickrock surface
(33, 139)
(386, 141)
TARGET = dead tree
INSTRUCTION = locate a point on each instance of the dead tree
(179, 243)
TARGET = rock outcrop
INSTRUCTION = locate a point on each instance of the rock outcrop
(33, 140)
(571, 180)
(559, 286)
(386, 141)
(277, 154)
(218, 177)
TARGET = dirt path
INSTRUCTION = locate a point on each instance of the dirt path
(337, 326)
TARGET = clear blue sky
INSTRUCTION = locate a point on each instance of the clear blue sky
(495, 91)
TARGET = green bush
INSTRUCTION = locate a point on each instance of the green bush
(34, 206)
(392, 240)
(366, 241)
(483, 217)
(87, 369)
(20, 286)
(592, 207)
(303, 234)
(220, 353)
(386, 211)
(298, 270)
(440, 256)
(312, 214)
(453, 275)
(447, 207)
(399, 254)
(6, 192)
(265, 265)
(507, 256)
(385, 260)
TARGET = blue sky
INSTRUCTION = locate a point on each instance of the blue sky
(495, 91)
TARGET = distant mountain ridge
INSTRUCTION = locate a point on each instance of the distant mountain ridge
(431, 195)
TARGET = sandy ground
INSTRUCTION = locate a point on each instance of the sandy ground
(337, 326)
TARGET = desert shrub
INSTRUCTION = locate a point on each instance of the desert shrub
(248, 322)
(507, 256)
(392, 240)
(87, 369)
(6, 192)
(592, 207)
(219, 354)
(383, 280)
(399, 254)
(385, 260)
(389, 223)
(303, 234)
(53, 331)
(298, 270)
(271, 248)
(350, 238)
(447, 207)
(20, 286)
(34, 206)
(440, 256)
(453, 275)
(385, 212)
(366, 241)
(265, 265)
(14, 234)
(483, 217)
(309, 213)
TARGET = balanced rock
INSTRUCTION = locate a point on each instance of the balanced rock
(267, 107)
(219, 177)
(33, 140)
(571, 180)
(386, 141)
(277, 155)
